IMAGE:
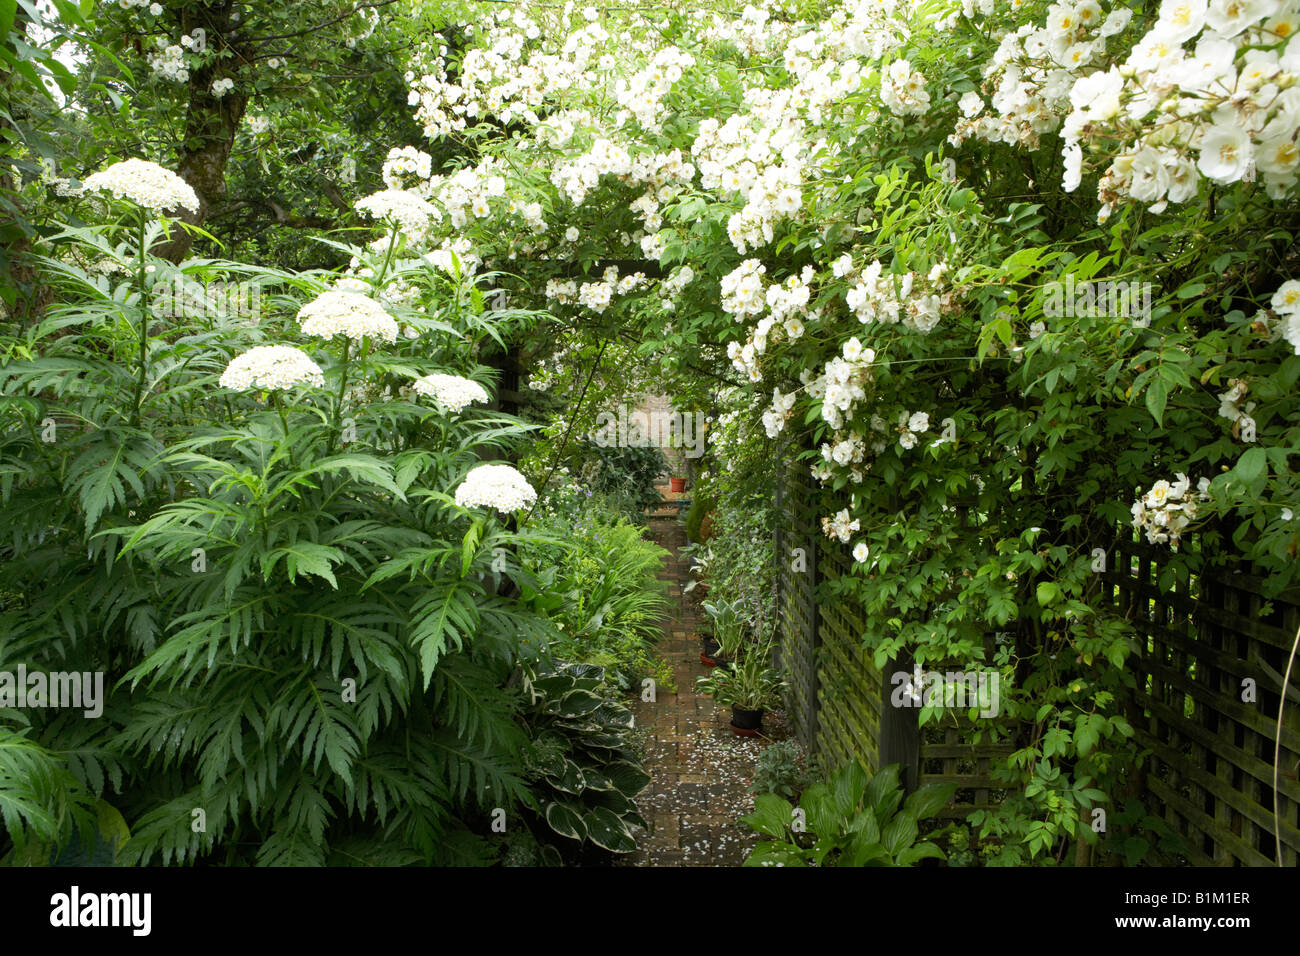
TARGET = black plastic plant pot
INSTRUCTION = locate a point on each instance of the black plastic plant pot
(711, 647)
(746, 723)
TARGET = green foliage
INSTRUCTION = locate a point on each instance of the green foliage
(850, 820)
(306, 640)
(582, 760)
(701, 505)
(780, 770)
(626, 474)
(596, 578)
(748, 681)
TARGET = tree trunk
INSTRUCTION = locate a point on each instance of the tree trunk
(210, 124)
(32, 296)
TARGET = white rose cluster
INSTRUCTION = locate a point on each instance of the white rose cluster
(1167, 510)
(910, 425)
(347, 313)
(596, 296)
(404, 163)
(455, 253)
(168, 62)
(787, 302)
(271, 368)
(902, 89)
(918, 303)
(641, 95)
(742, 290)
(222, 86)
(1230, 407)
(144, 183)
(452, 392)
(782, 410)
(841, 526)
(1286, 305)
(1208, 92)
(843, 383)
(495, 486)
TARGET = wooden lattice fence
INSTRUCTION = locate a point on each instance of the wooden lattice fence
(1209, 772)
(1209, 677)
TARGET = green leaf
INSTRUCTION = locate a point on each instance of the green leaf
(1251, 465)
(1157, 395)
(605, 829)
(920, 851)
(775, 854)
(929, 799)
(566, 821)
(772, 814)
(900, 833)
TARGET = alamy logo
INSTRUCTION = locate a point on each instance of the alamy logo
(639, 429)
(1068, 299)
(75, 908)
(956, 689)
(75, 689)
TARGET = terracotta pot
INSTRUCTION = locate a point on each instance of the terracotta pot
(677, 484)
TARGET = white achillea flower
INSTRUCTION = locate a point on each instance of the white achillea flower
(346, 313)
(146, 184)
(495, 486)
(272, 368)
(451, 392)
(411, 213)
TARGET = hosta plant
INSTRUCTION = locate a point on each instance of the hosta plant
(581, 760)
(852, 819)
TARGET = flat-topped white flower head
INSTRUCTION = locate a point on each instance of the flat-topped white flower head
(451, 392)
(271, 368)
(350, 314)
(495, 486)
(411, 213)
(146, 184)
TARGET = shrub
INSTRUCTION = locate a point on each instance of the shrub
(780, 770)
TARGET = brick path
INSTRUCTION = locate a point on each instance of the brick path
(700, 769)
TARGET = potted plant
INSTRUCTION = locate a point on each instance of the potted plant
(750, 686)
(677, 485)
(723, 634)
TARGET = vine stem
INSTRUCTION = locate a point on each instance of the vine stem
(573, 419)
(338, 405)
(1277, 748)
(284, 424)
